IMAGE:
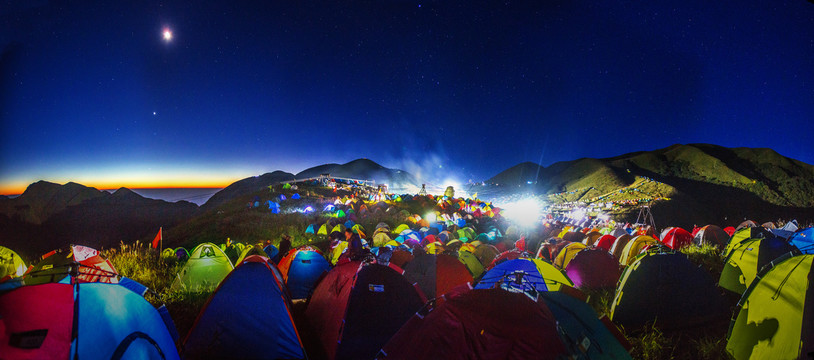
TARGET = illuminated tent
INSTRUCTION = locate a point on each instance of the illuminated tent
(634, 247)
(229, 327)
(436, 274)
(567, 253)
(84, 321)
(775, 314)
(11, 264)
(746, 234)
(524, 275)
(472, 263)
(80, 264)
(310, 229)
(747, 258)
(301, 268)
(207, 266)
(478, 324)
(667, 288)
(677, 238)
(356, 308)
(606, 242)
(249, 251)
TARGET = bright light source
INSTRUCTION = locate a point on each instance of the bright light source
(577, 214)
(167, 34)
(525, 212)
(431, 218)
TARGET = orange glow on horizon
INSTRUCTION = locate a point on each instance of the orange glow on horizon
(17, 189)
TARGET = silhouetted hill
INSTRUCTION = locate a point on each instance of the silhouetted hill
(73, 213)
(363, 169)
(246, 186)
(522, 173)
(43, 199)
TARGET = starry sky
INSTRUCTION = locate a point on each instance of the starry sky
(91, 92)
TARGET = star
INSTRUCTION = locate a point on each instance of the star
(153, 112)
(167, 34)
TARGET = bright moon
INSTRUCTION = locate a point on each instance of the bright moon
(167, 34)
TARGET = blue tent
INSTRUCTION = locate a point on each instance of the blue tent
(301, 269)
(273, 206)
(271, 250)
(524, 275)
(84, 320)
(282, 197)
(295, 196)
(247, 317)
(804, 240)
(311, 229)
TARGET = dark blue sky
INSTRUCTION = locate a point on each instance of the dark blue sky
(451, 89)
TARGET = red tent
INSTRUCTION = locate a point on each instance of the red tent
(357, 307)
(606, 242)
(437, 274)
(505, 256)
(478, 324)
(677, 238)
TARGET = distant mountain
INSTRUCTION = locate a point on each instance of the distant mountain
(705, 181)
(43, 199)
(246, 186)
(48, 216)
(363, 169)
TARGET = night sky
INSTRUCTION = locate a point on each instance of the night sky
(91, 91)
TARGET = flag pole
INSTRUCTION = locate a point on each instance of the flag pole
(160, 239)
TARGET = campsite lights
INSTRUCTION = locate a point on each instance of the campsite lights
(524, 213)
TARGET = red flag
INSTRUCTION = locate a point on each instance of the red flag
(157, 239)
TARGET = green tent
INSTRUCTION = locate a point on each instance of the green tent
(472, 263)
(11, 264)
(249, 251)
(401, 228)
(747, 258)
(339, 228)
(340, 214)
(287, 186)
(168, 252)
(775, 314)
(323, 230)
(748, 233)
(207, 266)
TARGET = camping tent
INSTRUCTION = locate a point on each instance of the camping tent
(437, 274)
(677, 238)
(593, 268)
(711, 235)
(619, 245)
(247, 317)
(634, 247)
(804, 240)
(472, 263)
(207, 266)
(11, 264)
(667, 288)
(775, 316)
(88, 264)
(357, 307)
(567, 253)
(584, 335)
(301, 268)
(84, 321)
(526, 275)
(478, 324)
(747, 258)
